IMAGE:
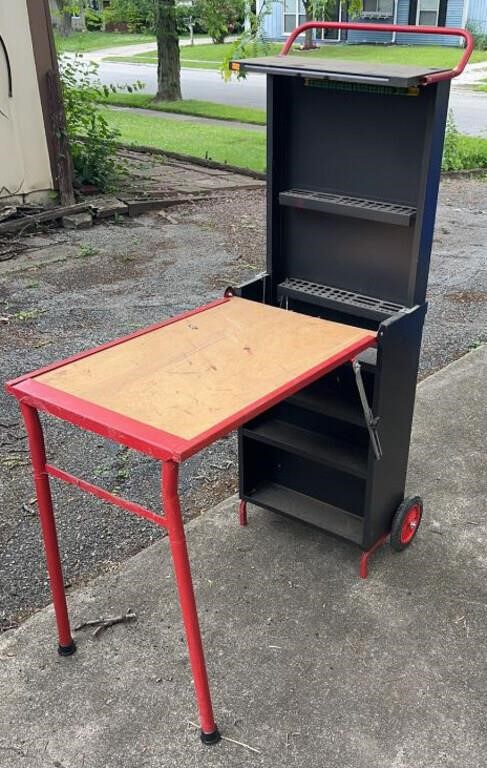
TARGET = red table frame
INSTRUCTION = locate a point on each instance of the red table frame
(34, 396)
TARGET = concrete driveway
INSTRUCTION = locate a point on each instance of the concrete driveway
(309, 665)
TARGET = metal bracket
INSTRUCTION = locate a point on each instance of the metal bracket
(371, 420)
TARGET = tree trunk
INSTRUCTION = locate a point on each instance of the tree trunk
(168, 64)
(65, 19)
(66, 24)
(308, 35)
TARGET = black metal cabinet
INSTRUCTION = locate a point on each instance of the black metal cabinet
(353, 175)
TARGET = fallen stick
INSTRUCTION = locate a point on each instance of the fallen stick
(102, 624)
(233, 741)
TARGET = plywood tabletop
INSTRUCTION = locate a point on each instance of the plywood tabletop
(186, 377)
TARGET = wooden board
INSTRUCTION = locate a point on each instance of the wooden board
(187, 377)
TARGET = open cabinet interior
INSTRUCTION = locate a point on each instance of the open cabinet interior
(353, 174)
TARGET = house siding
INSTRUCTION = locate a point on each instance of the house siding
(454, 18)
(371, 37)
(273, 24)
(477, 15)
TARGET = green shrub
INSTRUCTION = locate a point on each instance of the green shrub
(93, 21)
(220, 17)
(462, 152)
(135, 15)
(452, 158)
(183, 12)
(92, 141)
(479, 37)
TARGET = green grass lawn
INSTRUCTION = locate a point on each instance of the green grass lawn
(472, 152)
(238, 147)
(196, 57)
(79, 42)
(482, 86)
(235, 146)
(211, 56)
(188, 107)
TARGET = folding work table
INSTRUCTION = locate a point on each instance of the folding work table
(354, 157)
(168, 391)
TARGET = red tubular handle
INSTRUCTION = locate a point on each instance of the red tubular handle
(448, 74)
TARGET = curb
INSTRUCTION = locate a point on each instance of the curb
(191, 159)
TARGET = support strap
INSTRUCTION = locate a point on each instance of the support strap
(371, 420)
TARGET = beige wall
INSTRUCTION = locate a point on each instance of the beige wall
(24, 158)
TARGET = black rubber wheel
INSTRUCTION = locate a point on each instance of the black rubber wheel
(406, 522)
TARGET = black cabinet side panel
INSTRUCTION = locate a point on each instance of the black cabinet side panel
(395, 388)
(425, 222)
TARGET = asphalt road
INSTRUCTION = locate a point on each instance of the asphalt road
(469, 107)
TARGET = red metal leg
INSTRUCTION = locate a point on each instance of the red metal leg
(242, 513)
(364, 558)
(48, 526)
(182, 570)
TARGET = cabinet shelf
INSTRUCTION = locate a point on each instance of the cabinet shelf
(330, 402)
(279, 498)
(338, 299)
(344, 205)
(320, 448)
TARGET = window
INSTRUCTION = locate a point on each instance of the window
(428, 12)
(378, 8)
(294, 15)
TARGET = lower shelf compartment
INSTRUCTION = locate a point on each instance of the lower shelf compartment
(278, 498)
(316, 447)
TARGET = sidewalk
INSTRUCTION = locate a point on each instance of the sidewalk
(190, 118)
(308, 664)
(133, 50)
(473, 74)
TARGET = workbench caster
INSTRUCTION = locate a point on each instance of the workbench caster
(242, 513)
(406, 522)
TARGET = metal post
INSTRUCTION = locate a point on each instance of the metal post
(48, 525)
(242, 513)
(182, 570)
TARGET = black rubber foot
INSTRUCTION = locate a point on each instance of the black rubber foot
(67, 650)
(211, 738)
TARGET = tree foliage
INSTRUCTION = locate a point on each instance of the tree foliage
(319, 10)
(65, 11)
(220, 18)
(138, 15)
(251, 42)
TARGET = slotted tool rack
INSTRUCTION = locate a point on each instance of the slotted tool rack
(354, 157)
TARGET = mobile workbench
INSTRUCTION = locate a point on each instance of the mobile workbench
(315, 361)
(354, 158)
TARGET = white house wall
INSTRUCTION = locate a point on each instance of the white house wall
(24, 158)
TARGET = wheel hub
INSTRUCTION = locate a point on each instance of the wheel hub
(410, 524)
